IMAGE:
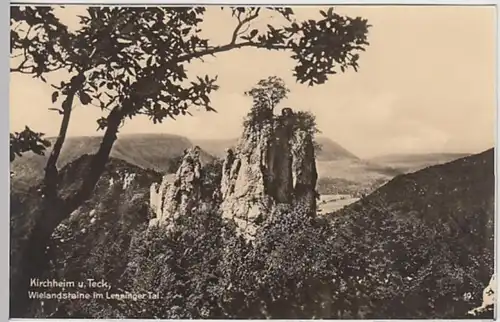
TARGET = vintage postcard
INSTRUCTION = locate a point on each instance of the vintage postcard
(208, 162)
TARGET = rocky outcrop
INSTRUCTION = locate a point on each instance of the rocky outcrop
(305, 172)
(244, 186)
(91, 243)
(180, 194)
(273, 163)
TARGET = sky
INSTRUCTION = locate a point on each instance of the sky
(426, 84)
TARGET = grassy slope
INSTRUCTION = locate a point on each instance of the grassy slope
(435, 229)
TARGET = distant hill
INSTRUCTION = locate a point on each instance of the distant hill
(413, 162)
(216, 147)
(435, 230)
(330, 150)
(339, 170)
(148, 151)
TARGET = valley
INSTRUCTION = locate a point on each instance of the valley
(331, 203)
(339, 171)
(368, 208)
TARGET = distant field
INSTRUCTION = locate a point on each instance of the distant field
(360, 177)
(330, 203)
(355, 170)
(352, 177)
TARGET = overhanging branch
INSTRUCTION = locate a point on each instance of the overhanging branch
(232, 44)
(228, 47)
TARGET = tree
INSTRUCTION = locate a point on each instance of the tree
(131, 61)
(268, 92)
(27, 141)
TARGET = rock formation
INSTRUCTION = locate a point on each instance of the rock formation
(243, 183)
(178, 195)
(305, 174)
(273, 163)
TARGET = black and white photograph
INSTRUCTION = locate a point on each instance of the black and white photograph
(252, 162)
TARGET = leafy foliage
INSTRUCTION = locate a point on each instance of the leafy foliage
(266, 95)
(268, 92)
(202, 270)
(131, 61)
(183, 266)
(135, 57)
(315, 44)
(211, 176)
(38, 40)
(426, 240)
(25, 141)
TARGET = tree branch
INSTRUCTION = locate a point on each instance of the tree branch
(232, 44)
(242, 23)
(227, 47)
(29, 69)
(21, 65)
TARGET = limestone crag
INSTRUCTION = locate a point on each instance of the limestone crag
(304, 171)
(273, 163)
(243, 183)
(179, 195)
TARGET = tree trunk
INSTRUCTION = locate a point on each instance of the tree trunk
(98, 163)
(53, 211)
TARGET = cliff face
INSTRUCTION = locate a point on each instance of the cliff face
(192, 188)
(179, 195)
(273, 163)
(244, 187)
(305, 172)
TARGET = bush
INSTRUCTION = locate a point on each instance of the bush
(183, 266)
(203, 270)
